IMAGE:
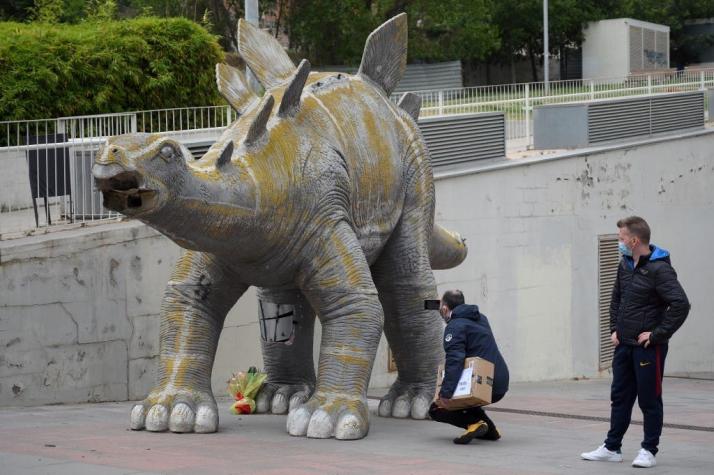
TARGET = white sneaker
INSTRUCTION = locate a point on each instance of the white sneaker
(644, 459)
(601, 454)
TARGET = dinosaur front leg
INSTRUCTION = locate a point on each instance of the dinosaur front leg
(338, 284)
(197, 299)
(290, 369)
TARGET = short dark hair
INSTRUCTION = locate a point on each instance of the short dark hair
(636, 226)
(453, 298)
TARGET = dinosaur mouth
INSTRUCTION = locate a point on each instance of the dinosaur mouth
(123, 193)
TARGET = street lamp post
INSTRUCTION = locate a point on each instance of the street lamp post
(546, 58)
(251, 16)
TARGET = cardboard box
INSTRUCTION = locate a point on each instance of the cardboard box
(475, 386)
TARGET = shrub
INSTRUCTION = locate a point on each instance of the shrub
(55, 70)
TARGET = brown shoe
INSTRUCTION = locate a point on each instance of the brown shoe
(474, 430)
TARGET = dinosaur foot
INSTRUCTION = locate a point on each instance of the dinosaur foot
(176, 411)
(407, 400)
(328, 415)
(279, 398)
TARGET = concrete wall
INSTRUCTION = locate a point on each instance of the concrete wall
(79, 309)
(606, 50)
(79, 317)
(15, 192)
(79, 314)
(532, 232)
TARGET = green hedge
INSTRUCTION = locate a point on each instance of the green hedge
(93, 68)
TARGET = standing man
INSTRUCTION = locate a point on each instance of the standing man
(467, 334)
(648, 306)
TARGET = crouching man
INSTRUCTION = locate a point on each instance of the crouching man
(467, 334)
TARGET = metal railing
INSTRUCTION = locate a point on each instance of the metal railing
(46, 164)
(516, 101)
(54, 156)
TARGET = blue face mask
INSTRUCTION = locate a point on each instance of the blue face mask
(626, 251)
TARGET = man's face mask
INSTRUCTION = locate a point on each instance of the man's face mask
(626, 251)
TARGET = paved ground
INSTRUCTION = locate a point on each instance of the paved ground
(93, 439)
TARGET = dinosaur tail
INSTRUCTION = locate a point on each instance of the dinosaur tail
(447, 249)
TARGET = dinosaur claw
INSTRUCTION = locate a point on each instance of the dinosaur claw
(138, 417)
(182, 418)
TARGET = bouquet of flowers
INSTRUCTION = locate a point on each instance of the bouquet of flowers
(244, 387)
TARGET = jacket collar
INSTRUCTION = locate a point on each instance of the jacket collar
(466, 311)
(656, 254)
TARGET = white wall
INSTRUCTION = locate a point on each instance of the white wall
(79, 309)
(15, 192)
(606, 50)
(532, 232)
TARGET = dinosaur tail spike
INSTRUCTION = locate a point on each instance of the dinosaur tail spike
(447, 249)
(385, 53)
(290, 103)
(258, 127)
(411, 103)
(233, 87)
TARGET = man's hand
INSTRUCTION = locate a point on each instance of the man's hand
(644, 338)
(614, 339)
(443, 402)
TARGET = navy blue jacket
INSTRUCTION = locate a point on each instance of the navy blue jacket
(468, 334)
(647, 297)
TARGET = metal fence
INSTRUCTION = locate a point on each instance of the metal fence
(46, 164)
(516, 101)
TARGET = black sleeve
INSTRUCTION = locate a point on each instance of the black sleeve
(615, 301)
(669, 289)
(455, 348)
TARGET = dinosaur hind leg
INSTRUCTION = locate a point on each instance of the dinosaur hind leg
(290, 369)
(404, 279)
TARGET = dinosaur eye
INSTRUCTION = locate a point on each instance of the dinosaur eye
(166, 152)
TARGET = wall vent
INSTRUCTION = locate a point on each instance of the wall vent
(608, 261)
(465, 137)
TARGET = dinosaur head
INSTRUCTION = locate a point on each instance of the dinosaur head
(139, 173)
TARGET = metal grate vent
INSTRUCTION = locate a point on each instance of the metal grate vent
(419, 77)
(643, 116)
(649, 60)
(662, 40)
(464, 138)
(635, 48)
(198, 149)
(608, 260)
(677, 112)
(618, 119)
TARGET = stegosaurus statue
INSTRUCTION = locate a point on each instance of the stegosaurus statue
(320, 194)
